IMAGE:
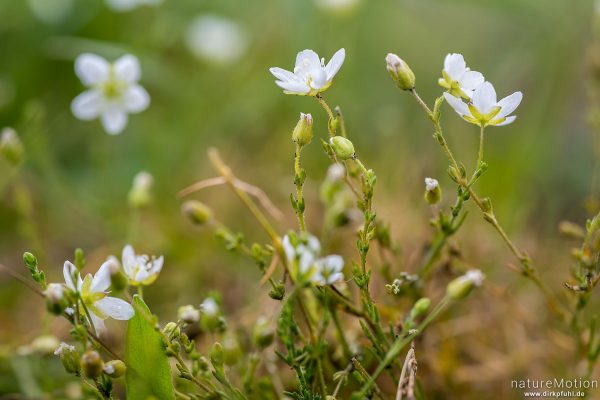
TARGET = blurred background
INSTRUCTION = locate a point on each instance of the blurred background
(205, 65)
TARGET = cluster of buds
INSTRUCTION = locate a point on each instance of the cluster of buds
(90, 364)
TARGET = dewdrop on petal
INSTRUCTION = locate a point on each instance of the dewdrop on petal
(69, 357)
(303, 132)
(342, 147)
(400, 72)
(460, 287)
(433, 192)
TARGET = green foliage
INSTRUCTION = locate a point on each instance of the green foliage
(148, 373)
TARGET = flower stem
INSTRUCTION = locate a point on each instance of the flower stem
(330, 114)
(480, 156)
(299, 181)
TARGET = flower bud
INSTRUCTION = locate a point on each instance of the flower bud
(91, 364)
(433, 192)
(55, 298)
(420, 307)
(11, 147)
(171, 330)
(114, 368)
(216, 355)
(460, 287)
(232, 352)
(303, 132)
(263, 333)
(69, 357)
(188, 314)
(140, 195)
(343, 148)
(196, 211)
(400, 72)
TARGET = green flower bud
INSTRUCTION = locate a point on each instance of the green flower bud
(433, 192)
(420, 307)
(216, 355)
(30, 261)
(69, 357)
(400, 72)
(171, 330)
(263, 333)
(115, 368)
(56, 301)
(232, 352)
(11, 147)
(343, 148)
(91, 364)
(140, 194)
(303, 132)
(460, 287)
(197, 212)
(278, 292)
(188, 314)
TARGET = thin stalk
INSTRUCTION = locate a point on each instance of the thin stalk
(330, 114)
(299, 181)
(480, 154)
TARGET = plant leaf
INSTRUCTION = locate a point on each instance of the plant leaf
(148, 373)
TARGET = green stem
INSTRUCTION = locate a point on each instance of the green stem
(299, 181)
(480, 155)
(330, 114)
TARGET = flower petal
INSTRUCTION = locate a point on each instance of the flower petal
(471, 79)
(334, 65)
(91, 69)
(509, 104)
(484, 97)
(88, 105)
(114, 119)
(136, 99)
(288, 248)
(508, 120)
(157, 265)
(293, 87)
(127, 68)
(454, 65)
(115, 308)
(458, 105)
(68, 272)
(282, 74)
(98, 324)
(307, 58)
(101, 280)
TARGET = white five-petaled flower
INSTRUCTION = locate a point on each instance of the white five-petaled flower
(140, 269)
(305, 264)
(485, 109)
(93, 293)
(458, 78)
(311, 76)
(113, 91)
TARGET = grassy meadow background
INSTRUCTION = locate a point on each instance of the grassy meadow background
(71, 190)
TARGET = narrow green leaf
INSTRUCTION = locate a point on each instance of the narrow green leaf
(148, 372)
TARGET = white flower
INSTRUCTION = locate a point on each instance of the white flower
(336, 172)
(64, 347)
(305, 264)
(92, 290)
(189, 314)
(431, 184)
(140, 269)
(54, 292)
(457, 78)
(113, 91)
(329, 270)
(311, 76)
(484, 109)
(474, 276)
(127, 5)
(209, 307)
(216, 39)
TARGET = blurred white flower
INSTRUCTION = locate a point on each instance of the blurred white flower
(54, 292)
(113, 92)
(337, 5)
(64, 347)
(51, 11)
(127, 5)
(431, 184)
(336, 172)
(216, 39)
(140, 194)
(311, 76)
(474, 276)
(140, 269)
(457, 78)
(209, 307)
(188, 314)
(305, 264)
(484, 109)
(92, 290)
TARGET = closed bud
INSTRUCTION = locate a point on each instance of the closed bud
(140, 194)
(115, 368)
(55, 298)
(263, 333)
(232, 352)
(188, 314)
(11, 147)
(197, 212)
(171, 330)
(91, 364)
(69, 357)
(460, 287)
(420, 307)
(30, 261)
(342, 147)
(303, 132)
(216, 355)
(433, 192)
(278, 292)
(400, 72)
